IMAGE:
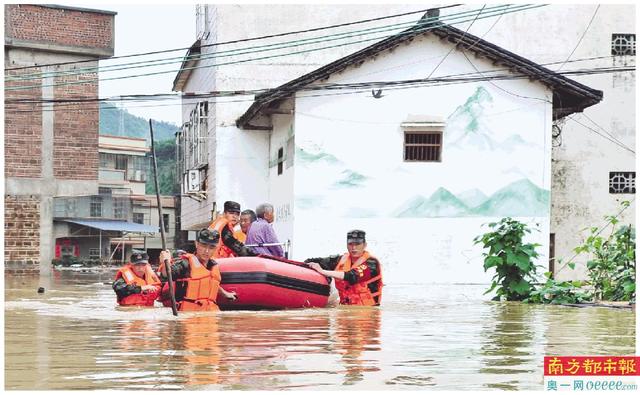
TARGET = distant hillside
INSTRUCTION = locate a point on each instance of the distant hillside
(117, 122)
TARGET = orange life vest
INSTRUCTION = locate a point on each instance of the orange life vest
(240, 236)
(222, 251)
(202, 287)
(358, 293)
(139, 299)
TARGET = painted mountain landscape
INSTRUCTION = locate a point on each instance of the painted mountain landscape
(518, 199)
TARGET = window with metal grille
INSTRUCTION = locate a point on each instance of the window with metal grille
(280, 160)
(94, 253)
(422, 146)
(192, 140)
(95, 207)
(165, 220)
(138, 218)
(119, 207)
(623, 44)
(622, 182)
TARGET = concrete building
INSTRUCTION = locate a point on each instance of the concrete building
(50, 149)
(124, 170)
(423, 167)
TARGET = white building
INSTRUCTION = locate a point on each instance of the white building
(495, 157)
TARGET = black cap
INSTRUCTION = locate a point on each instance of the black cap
(206, 236)
(355, 236)
(231, 207)
(139, 258)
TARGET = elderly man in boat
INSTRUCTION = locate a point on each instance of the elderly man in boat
(197, 276)
(358, 274)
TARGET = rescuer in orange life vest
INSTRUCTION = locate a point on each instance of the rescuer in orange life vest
(197, 276)
(358, 274)
(136, 284)
(229, 246)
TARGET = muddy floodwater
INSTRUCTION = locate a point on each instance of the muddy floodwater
(423, 337)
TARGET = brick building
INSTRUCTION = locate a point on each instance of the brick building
(51, 148)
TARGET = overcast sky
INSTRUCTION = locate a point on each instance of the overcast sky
(146, 28)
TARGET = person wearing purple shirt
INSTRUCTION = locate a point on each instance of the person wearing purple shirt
(261, 232)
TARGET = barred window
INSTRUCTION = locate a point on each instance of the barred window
(622, 182)
(138, 218)
(94, 253)
(192, 141)
(119, 207)
(623, 44)
(423, 138)
(422, 146)
(95, 207)
(280, 160)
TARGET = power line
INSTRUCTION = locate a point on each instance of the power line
(600, 127)
(268, 47)
(459, 41)
(228, 63)
(583, 34)
(399, 84)
(602, 135)
(220, 54)
(241, 40)
(192, 94)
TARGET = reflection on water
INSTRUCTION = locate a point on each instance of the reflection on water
(424, 336)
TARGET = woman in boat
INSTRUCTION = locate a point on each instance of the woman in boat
(358, 274)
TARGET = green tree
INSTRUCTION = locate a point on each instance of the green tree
(165, 153)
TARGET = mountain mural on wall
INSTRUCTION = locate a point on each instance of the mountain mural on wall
(472, 197)
(464, 128)
(305, 156)
(441, 203)
(518, 199)
(350, 179)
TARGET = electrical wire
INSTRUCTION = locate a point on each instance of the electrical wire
(16, 88)
(580, 40)
(268, 47)
(453, 78)
(616, 142)
(241, 40)
(460, 40)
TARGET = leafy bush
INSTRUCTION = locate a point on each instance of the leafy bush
(559, 292)
(612, 268)
(512, 260)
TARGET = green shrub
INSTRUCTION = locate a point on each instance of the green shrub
(611, 267)
(512, 260)
(559, 292)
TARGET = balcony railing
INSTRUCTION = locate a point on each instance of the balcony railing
(111, 175)
(95, 206)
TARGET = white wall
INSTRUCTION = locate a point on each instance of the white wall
(548, 34)
(582, 162)
(350, 171)
(281, 186)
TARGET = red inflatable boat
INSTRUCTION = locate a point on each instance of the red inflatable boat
(271, 283)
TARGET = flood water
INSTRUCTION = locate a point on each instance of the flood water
(422, 337)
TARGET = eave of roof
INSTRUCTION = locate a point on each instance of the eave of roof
(573, 95)
(188, 63)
